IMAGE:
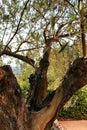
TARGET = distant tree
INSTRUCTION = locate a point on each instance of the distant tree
(29, 32)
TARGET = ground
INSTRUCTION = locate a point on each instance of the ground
(70, 125)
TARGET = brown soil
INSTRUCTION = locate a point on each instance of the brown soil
(70, 125)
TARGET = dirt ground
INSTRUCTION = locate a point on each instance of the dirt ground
(70, 125)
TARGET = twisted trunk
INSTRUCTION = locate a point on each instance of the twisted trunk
(38, 81)
(14, 114)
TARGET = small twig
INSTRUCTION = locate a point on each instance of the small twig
(17, 25)
(26, 49)
(47, 23)
(4, 31)
(71, 5)
(39, 12)
(21, 45)
(44, 34)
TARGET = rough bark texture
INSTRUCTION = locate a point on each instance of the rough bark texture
(14, 114)
(82, 27)
(12, 109)
(38, 82)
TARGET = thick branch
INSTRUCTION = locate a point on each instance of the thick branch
(74, 79)
(38, 81)
(12, 116)
(13, 113)
(23, 58)
(83, 39)
(57, 37)
(81, 10)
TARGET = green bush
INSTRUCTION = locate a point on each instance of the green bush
(76, 107)
(24, 83)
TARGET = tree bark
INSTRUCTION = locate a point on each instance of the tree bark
(38, 81)
(12, 106)
(14, 114)
(82, 26)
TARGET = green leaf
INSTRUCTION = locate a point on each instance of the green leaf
(60, 27)
(52, 22)
(72, 16)
(63, 47)
(35, 36)
(5, 17)
(85, 26)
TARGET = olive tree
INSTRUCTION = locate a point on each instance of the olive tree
(29, 31)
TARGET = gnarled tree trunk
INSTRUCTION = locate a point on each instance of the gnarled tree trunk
(14, 113)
